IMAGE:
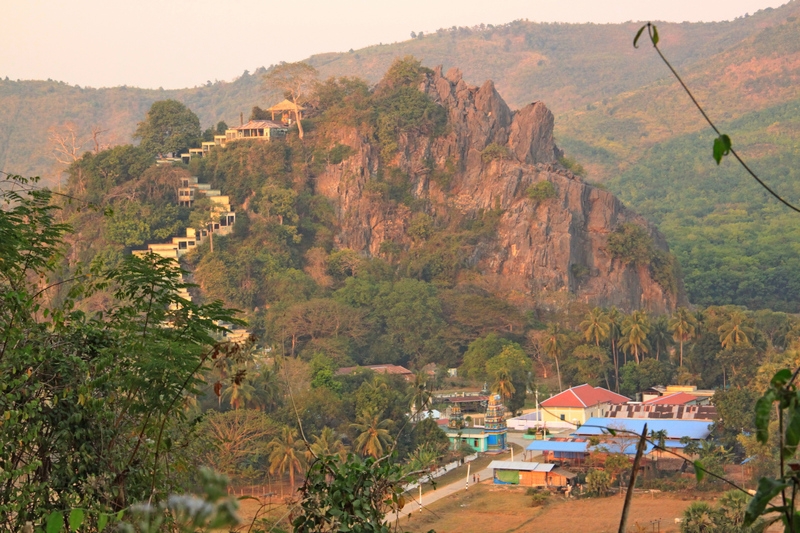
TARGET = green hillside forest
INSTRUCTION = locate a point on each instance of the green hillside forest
(619, 115)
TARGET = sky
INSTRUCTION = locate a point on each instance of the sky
(181, 43)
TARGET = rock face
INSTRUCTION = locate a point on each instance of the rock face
(541, 248)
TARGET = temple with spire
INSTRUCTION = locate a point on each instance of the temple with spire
(491, 437)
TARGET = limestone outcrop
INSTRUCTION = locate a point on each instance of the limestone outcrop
(542, 247)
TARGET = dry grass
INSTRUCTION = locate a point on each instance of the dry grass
(492, 508)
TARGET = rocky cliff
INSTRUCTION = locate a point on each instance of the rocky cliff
(542, 246)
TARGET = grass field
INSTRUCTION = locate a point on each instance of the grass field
(491, 508)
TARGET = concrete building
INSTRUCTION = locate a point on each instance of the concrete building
(578, 404)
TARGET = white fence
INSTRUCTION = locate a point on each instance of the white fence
(441, 471)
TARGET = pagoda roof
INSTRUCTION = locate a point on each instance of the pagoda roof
(286, 105)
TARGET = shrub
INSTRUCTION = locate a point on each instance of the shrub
(495, 151)
(538, 497)
(598, 482)
(573, 166)
(541, 191)
(339, 153)
(443, 177)
(420, 227)
(579, 271)
(631, 243)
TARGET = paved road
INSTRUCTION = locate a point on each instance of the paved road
(436, 495)
(447, 490)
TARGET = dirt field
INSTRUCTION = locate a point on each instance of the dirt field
(490, 508)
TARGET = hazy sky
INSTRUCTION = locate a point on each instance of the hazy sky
(181, 43)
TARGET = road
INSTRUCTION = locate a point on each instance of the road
(436, 495)
(443, 492)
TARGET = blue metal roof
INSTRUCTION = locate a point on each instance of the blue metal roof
(521, 465)
(676, 429)
(557, 446)
(582, 447)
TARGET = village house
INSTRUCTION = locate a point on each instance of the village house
(527, 474)
(578, 404)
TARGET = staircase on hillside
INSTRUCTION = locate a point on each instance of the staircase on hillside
(178, 246)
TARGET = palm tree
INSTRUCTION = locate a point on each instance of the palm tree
(659, 337)
(734, 332)
(326, 443)
(286, 453)
(554, 346)
(683, 325)
(503, 386)
(659, 438)
(420, 395)
(634, 333)
(614, 332)
(424, 458)
(596, 326)
(373, 434)
(239, 393)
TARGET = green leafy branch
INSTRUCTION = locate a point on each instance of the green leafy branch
(722, 144)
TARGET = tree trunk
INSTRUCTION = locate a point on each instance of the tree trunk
(558, 370)
(299, 118)
(616, 363)
(681, 363)
(211, 239)
(636, 353)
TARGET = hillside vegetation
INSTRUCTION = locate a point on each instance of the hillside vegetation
(618, 115)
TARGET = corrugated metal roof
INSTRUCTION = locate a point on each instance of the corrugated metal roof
(523, 466)
(260, 124)
(583, 447)
(558, 446)
(676, 429)
(677, 412)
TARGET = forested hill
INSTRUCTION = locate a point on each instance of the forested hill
(567, 66)
(617, 113)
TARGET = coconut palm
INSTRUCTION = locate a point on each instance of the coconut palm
(373, 434)
(239, 393)
(614, 333)
(734, 332)
(326, 443)
(554, 346)
(424, 458)
(659, 438)
(420, 395)
(596, 326)
(683, 325)
(503, 386)
(286, 453)
(659, 336)
(634, 334)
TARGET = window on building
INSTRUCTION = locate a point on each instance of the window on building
(563, 417)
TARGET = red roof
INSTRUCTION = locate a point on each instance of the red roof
(584, 396)
(676, 398)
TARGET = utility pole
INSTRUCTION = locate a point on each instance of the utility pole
(469, 465)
